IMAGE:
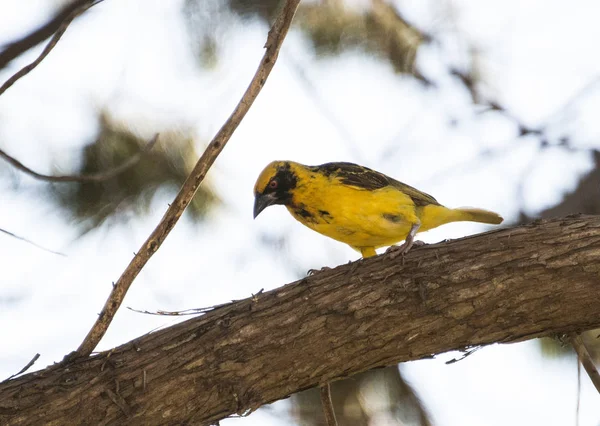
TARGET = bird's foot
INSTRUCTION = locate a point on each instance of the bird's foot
(401, 250)
(395, 251)
(314, 271)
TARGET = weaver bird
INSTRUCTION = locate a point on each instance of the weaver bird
(356, 205)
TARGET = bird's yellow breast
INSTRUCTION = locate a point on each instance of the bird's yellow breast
(355, 216)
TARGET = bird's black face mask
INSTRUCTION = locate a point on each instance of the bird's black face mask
(277, 191)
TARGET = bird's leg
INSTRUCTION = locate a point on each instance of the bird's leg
(396, 251)
(368, 252)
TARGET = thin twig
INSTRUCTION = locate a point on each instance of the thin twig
(16, 48)
(585, 359)
(465, 353)
(95, 177)
(327, 404)
(190, 186)
(4, 231)
(119, 401)
(192, 311)
(27, 367)
(51, 44)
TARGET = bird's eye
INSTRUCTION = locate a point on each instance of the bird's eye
(273, 184)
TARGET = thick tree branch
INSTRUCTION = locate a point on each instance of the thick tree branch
(190, 186)
(504, 286)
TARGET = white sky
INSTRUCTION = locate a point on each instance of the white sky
(133, 57)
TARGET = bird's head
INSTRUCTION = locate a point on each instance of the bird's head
(274, 185)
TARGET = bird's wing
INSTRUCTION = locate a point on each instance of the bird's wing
(365, 178)
(418, 197)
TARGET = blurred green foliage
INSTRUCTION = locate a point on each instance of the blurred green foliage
(379, 30)
(165, 166)
(332, 26)
(363, 400)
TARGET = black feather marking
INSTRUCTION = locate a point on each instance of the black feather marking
(325, 215)
(286, 181)
(365, 178)
(301, 211)
(355, 175)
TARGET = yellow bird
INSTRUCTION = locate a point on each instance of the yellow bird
(356, 205)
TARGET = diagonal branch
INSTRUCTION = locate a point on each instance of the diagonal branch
(95, 177)
(81, 7)
(27, 366)
(18, 47)
(585, 359)
(503, 286)
(25, 240)
(190, 186)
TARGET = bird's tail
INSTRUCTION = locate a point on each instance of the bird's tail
(434, 215)
(476, 215)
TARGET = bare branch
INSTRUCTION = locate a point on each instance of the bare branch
(193, 311)
(585, 359)
(81, 7)
(18, 47)
(27, 366)
(4, 231)
(190, 186)
(327, 404)
(95, 177)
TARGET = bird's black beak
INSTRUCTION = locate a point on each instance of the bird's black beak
(262, 201)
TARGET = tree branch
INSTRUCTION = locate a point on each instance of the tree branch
(585, 359)
(18, 47)
(25, 240)
(95, 177)
(27, 366)
(74, 13)
(275, 39)
(503, 286)
(327, 404)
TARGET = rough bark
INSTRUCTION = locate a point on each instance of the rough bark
(503, 286)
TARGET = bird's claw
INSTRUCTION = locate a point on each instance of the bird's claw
(395, 251)
(314, 271)
(401, 250)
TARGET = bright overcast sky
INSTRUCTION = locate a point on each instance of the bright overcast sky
(133, 58)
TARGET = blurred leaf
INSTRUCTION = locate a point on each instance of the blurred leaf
(361, 399)
(379, 30)
(332, 26)
(205, 21)
(250, 8)
(553, 348)
(166, 165)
